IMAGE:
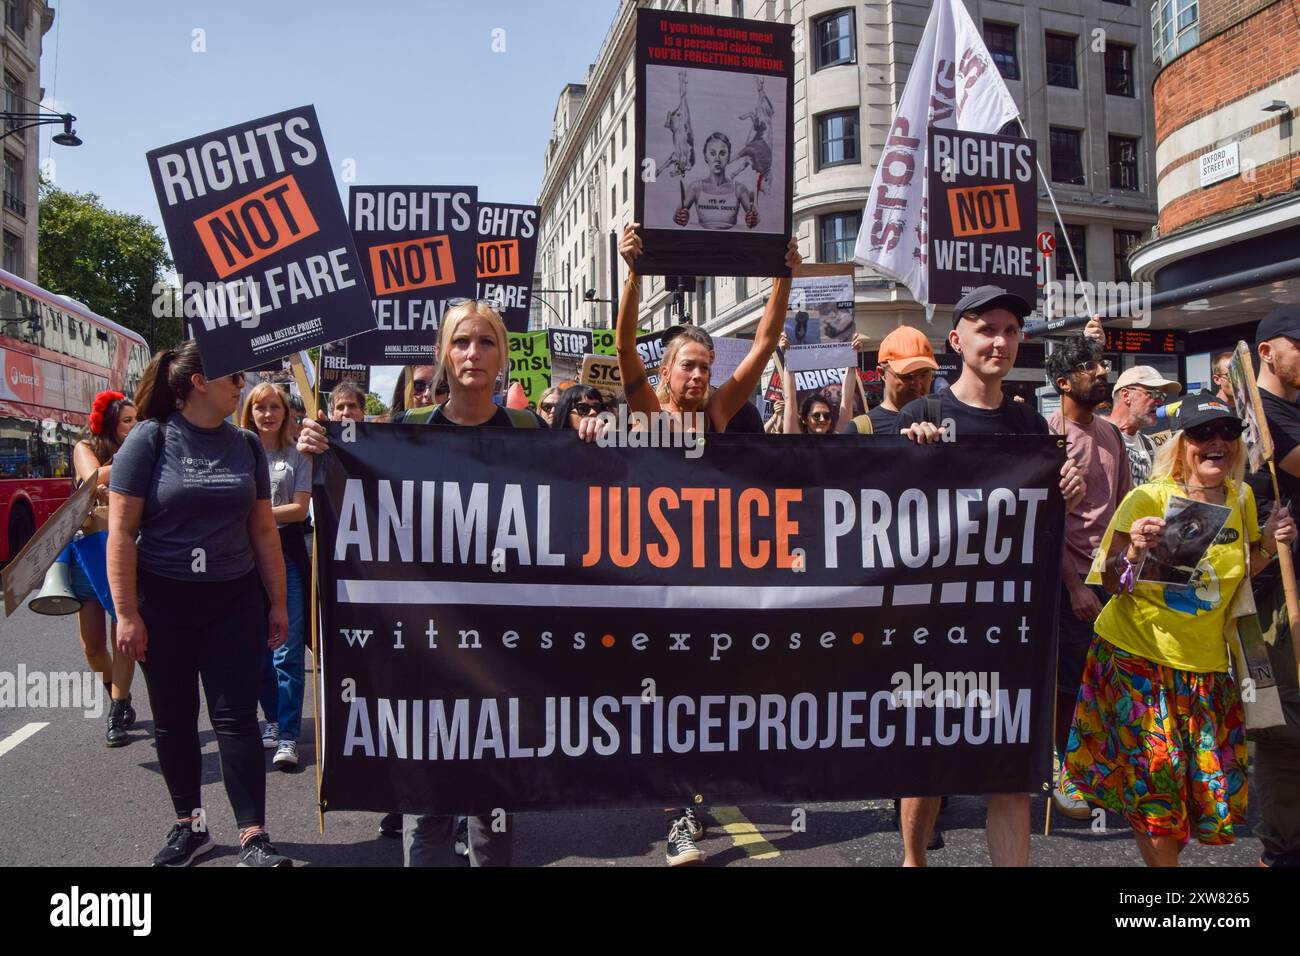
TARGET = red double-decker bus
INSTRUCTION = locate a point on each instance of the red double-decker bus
(56, 355)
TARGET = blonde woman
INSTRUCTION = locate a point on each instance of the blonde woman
(1158, 734)
(473, 349)
(267, 414)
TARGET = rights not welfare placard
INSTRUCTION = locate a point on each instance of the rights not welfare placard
(983, 213)
(507, 253)
(254, 222)
(418, 248)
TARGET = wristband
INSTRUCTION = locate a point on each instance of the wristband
(1127, 573)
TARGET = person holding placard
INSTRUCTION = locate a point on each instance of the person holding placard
(817, 413)
(684, 394)
(473, 350)
(197, 575)
(1158, 732)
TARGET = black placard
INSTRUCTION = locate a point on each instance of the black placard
(714, 128)
(254, 221)
(418, 247)
(334, 368)
(764, 620)
(983, 214)
(507, 254)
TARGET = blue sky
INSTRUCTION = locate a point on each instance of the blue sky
(409, 89)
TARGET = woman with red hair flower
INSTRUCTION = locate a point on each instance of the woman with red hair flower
(111, 418)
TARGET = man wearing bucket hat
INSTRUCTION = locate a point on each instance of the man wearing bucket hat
(1137, 394)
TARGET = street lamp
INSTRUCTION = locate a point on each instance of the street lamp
(68, 137)
(590, 296)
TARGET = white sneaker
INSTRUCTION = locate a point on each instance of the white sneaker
(271, 735)
(286, 755)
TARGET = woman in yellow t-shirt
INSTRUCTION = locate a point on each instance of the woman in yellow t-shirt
(1158, 733)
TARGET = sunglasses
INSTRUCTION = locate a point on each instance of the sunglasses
(588, 408)
(548, 406)
(1102, 365)
(819, 417)
(1226, 429)
(419, 388)
(236, 378)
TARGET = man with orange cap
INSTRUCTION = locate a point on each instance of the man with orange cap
(907, 366)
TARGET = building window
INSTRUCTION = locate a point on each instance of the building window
(13, 102)
(1119, 69)
(834, 33)
(16, 16)
(1123, 162)
(1078, 236)
(13, 253)
(1000, 38)
(13, 191)
(1067, 155)
(839, 234)
(625, 185)
(738, 9)
(837, 138)
(1174, 28)
(1061, 67)
(1125, 240)
(622, 128)
(613, 203)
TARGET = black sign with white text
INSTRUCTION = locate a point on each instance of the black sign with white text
(983, 214)
(418, 247)
(747, 620)
(507, 253)
(258, 233)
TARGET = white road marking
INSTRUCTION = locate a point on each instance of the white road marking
(19, 735)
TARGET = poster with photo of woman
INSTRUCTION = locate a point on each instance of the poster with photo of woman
(714, 125)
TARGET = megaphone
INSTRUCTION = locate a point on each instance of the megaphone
(56, 595)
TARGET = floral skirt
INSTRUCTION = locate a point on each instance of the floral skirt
(1164, 747)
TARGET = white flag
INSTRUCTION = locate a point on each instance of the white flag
(954, 84)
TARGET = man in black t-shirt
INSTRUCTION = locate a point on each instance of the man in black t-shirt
(986, 334)
(1277, 749)
(907, 367)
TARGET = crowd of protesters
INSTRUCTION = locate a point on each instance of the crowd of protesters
(205, 570)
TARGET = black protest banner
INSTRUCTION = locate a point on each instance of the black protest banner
(256, 228)
(335, 369)
(521, 620)
(568, 346)
(507, 253)
(418, 248)
(714, 124)
(983, 214)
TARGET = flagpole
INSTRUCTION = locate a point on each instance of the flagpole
(1057, 210)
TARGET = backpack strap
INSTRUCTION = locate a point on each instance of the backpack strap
(863, 424)
(522, 418)
(418, 416)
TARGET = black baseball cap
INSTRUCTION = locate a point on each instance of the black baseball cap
(988, 297)
(1279, 322)
(1203, 407)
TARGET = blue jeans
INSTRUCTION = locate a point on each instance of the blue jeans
(282, 670)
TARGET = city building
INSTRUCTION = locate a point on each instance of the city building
(1227, 248)
(1080, 70)
(25, 23)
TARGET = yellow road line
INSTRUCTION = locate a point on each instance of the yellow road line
(743, 833)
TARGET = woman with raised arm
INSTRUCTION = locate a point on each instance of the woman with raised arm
(684, 393)
(684, 375)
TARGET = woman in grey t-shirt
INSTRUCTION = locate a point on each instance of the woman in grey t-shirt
(197, 577)
(267, 413)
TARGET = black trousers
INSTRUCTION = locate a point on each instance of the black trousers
(214, 632)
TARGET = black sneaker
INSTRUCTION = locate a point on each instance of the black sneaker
(116, 735)
(128, 714)
(259, 852)
(183, 845)
(390, 825)
(681, 848)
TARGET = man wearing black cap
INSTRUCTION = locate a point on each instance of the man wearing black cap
(986, 334)
(1277, 749)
